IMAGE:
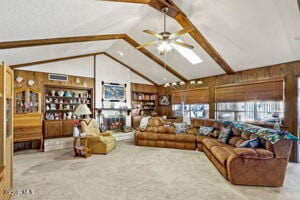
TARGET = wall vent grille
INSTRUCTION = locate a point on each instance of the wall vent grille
(57, 77)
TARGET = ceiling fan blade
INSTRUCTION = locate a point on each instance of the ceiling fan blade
(152, 33)
(183, 45)
(182, 31)
(146, 45)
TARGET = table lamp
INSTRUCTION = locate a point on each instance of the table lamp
(82, 110)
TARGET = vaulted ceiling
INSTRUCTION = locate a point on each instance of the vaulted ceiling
(246, 34)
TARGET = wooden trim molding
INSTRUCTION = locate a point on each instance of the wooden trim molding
(130, 68)
(54, 60)
(63, 40)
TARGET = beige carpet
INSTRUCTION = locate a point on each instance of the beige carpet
(131, 172)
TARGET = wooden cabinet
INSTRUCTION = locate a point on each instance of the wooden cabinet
(59, 106)
(58, 128)
(67, 129)
(28, 116)
(27, 100)
(6, 129)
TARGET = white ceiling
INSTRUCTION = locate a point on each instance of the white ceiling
(247, 34)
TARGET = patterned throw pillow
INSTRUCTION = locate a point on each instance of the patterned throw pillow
(180, 127)
(205, 130)
(214, 133)
(144, 122)
(253, 143)
(225, 135)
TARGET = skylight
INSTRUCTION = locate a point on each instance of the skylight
(189, 54)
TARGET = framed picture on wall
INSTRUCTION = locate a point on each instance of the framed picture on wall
(113, 92)
(164, 100)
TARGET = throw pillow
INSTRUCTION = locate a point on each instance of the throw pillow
(144, 122)
(205, 130)
(214, 133)
(225, 135)
(180, 127)
(253, 143)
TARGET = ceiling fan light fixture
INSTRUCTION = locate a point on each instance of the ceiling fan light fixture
(164, 46)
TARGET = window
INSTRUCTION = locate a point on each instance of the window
(191, 110)
(265, 111)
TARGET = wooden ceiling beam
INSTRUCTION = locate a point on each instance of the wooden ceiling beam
(51, 41)
(147, 53)
(64, 40)
(130, 1)
(184, 21)
(54, 60)
(130, 68)
(176, 13)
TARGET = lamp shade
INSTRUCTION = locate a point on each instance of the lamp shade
(82, 109)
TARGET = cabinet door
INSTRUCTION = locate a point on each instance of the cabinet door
(67, 128)
(53, 129)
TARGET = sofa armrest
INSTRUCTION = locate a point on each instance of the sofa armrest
(281, 149)
(261, 154)
(106, 134)
(258, 172)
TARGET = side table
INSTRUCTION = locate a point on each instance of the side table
(81, 150)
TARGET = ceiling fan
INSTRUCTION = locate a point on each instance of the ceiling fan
(167, 39)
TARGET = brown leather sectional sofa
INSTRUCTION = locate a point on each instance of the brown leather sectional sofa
(242, 166)
(157, 134)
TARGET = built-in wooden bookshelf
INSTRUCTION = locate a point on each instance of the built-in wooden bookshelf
(144, 101)
(59, 105)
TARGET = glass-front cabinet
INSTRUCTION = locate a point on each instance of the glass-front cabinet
(27, 100)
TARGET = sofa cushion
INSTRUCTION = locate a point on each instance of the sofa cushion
(254, 153)
(240, 141)
(153, 129)
(197, 122)
(200, 138)
(217, 125)
(210, 142)
(232, 141)
(170, 129)
(222, 153)
(180, 127)
(165, 137)
(155, 121)
(185, 138)
(225, 135)
(147, 135)
(208, 122)
(162, 129)
(236, 132)
(205, 130)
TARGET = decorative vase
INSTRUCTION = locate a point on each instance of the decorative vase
(60, 93)
(53, 92)
(75, 132)
(68, 94)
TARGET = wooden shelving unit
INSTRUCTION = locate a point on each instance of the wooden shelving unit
(59, 105)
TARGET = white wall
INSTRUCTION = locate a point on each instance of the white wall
(108, 70)
(76, 67)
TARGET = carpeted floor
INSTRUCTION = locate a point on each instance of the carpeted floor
(132, 172)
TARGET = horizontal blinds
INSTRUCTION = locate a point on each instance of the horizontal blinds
(194, 96)
(264, 91)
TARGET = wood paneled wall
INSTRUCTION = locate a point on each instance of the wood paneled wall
(41, 79)
(287, 71)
